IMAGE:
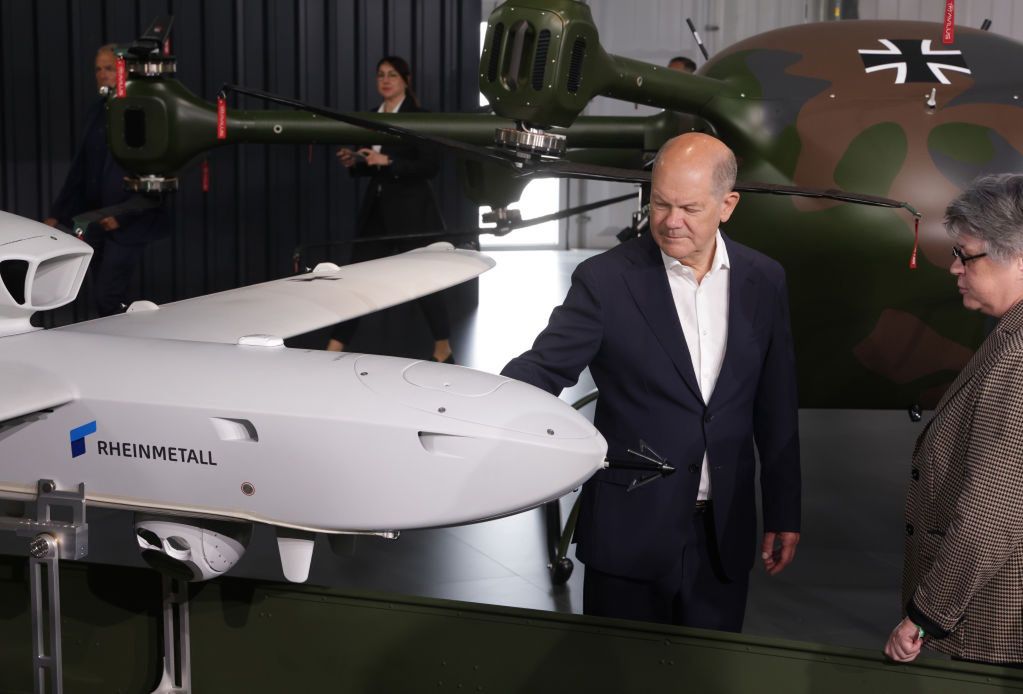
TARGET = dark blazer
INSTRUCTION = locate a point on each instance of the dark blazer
(963, 561)
(403, 191)
(96, 180)
(620, 320)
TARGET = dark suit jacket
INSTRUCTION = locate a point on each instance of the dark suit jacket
(620, 320)
(402, 190)
(96, 180)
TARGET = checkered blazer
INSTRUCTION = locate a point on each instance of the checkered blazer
(963, 570)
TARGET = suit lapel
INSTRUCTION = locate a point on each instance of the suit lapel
(648, 284)
(742, 307)
(982, 360)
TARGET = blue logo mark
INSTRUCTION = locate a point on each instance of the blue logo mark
(78, 435)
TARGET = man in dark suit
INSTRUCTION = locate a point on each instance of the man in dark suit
(687, 337)
(95, 181)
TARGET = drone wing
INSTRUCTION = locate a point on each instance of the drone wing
(299, 304)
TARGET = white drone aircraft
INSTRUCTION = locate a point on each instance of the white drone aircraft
(196, 416)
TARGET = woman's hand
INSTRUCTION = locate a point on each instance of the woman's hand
(904, 642)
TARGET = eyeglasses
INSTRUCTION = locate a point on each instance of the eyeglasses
(961, 256)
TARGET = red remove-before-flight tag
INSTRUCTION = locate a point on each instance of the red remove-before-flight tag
(122, 79)
(916, 243)
(221, 118)
(948, 35)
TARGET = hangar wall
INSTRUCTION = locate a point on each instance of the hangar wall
(655, 30)
(263, 200)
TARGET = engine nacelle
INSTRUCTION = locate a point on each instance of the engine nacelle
(191, 549)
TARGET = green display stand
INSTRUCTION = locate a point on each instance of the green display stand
(251, 636)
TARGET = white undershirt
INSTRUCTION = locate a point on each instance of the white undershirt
(381, 109)
(703, 311)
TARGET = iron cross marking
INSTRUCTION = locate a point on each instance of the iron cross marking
(913, 61)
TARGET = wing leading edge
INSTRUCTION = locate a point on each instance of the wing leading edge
(299, 304)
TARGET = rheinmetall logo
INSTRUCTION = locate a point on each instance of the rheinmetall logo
(78, 435)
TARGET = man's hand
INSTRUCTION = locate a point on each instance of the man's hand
(50, 221)
(777, 558)
(375, 158)
(109, 223)
(904, 643)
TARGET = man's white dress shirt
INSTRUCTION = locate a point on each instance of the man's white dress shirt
(703, 311)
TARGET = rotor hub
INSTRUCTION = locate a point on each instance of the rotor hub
(152, 66)
(531, 141)
(503, 218)
(150, 184)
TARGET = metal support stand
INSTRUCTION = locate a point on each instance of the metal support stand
(177, 646)
(52, 540)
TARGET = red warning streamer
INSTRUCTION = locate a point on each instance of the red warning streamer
(916, 243)
(221, 118)
(122, 79)
(949, 34)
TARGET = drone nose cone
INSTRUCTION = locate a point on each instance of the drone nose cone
(487, 445)
(497, 401)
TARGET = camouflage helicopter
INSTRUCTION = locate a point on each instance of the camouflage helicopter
(872, 112)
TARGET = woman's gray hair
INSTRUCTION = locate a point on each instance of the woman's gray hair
(990, 209)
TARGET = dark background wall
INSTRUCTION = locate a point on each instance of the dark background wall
(263, 199)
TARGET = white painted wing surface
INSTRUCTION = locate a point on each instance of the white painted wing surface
(296, 305)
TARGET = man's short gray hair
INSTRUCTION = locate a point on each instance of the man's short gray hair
(724, 174)
(991, 210)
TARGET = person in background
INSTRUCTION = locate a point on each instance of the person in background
(399, 200)
(682, 64)
(962, 582)
(95, 181)
(686, 334)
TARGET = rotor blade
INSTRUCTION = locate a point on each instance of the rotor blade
(559, 168)
(563, 214)
(153, 37)
(830, 193)
(608, 173)
(699, 41)
(595, 172)
(296, 256)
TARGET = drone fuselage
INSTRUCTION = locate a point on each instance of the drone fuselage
(295, 438)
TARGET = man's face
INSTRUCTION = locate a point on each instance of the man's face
(106, 69)
(685, 211)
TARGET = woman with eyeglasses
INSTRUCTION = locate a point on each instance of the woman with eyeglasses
(399, 200)
(963, 567)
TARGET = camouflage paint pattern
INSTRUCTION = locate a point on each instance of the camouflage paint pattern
(870, 332)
